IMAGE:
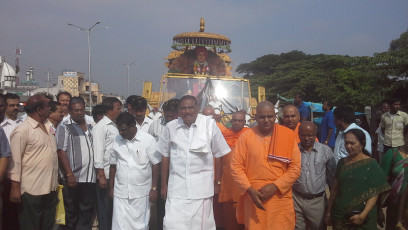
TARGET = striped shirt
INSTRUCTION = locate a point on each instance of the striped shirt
(157, 127)
(78, 147)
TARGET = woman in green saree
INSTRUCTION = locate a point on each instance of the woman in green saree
(395, 165)
(358, 182)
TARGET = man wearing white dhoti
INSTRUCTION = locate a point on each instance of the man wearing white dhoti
(133, 175)
(189, 147)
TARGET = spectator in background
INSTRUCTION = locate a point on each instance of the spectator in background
(97, 113)
(170, 112)
(304, 111)
(56, 115)
(64, 98)
(379, 135)
(11, 121)
(229, 193)
(137, 106)
(392, 124)
(104, 134)
(328, 127)
(344, 119)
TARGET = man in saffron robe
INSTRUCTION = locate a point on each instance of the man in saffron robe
(265, 164)
(229, 194)
(291, 120)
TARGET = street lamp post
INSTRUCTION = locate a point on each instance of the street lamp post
(89, 57)
(128, 78)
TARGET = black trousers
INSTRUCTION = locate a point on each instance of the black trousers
(79, 203)
(38, 211)
(104, 206)
(10, 210)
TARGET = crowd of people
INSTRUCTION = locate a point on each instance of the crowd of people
(186, 170)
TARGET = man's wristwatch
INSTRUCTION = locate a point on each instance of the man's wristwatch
(218, 182)
(154, 188)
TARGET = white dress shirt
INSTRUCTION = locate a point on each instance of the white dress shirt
(134, 160)
(145, 125)
(339, 148)
(9, 125)
(103, 135)
(191, 151)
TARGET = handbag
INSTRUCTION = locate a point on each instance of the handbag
(60, 210)
(355, 212)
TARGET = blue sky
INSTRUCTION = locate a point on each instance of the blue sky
(142, 31)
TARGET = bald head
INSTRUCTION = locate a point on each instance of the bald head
(238, 120)
(208, 111)
(307, 134)
(265, 117)
(37, 108)
(265, 105)
(307, 125)
(291, 116)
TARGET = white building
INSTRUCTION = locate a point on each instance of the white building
(8, 77)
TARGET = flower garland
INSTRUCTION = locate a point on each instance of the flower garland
(204, 71)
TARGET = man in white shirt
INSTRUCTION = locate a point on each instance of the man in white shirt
(189, 147)
(170, 112)
(134, 174)
(11, 121)
(344, 119)
(103, 134)
(56, 115)
(137, 105)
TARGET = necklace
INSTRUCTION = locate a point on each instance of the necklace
(356, 158)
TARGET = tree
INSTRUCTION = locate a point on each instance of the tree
(355, 81)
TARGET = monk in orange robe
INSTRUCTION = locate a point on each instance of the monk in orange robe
(291, 118)
(265, 164)
(229, 194)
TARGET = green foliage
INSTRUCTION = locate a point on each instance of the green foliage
(344, 80)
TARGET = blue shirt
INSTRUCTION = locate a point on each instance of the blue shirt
(4, 144)
(304, 111)
(328, 123)
(340, 149)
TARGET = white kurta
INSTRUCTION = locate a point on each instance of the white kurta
(133, 180)
(191, 173)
